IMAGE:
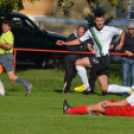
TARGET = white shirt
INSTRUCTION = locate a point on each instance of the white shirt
(103, 37)
(130, 99)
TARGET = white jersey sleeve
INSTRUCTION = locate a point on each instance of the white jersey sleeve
(116, 31)
(130, 99)
(85, 37)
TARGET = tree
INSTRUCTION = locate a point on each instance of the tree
(7, 6)
(116, 3)
(67, 7)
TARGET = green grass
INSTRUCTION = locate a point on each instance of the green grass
(41, 112)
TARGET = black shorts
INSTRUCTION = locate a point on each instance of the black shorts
(100, 65)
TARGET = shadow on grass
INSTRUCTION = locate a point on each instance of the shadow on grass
(58, 91)
(55, 108)
(61, 91)
(100, 94)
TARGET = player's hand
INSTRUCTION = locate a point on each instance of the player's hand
(60, 42)
(118, 47)
(111, 47)
(129, 53)
(94, 52)
(106, 104)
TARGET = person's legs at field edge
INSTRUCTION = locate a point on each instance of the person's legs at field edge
(7, 61)
(125, 67)
(87, 108)
(132, 74)
(17, 79)
(70, 73)
(91, 80)
(103, 80)
(81, 70)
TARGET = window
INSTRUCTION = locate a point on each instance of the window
(23, 25)
(132, 10)
(28, 23)
(129, 15)
(17, 22)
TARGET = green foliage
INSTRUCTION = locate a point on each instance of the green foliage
(65, 7)
(8, 6)
(117, 3)
(96, 8)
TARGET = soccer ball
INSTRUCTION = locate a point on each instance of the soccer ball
(2, 89)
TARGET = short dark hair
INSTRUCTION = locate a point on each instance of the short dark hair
(81, 26)
(5, 21)
(99, 14)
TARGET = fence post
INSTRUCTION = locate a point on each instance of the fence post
(14, 64)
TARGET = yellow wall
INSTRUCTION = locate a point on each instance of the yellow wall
(42, 7)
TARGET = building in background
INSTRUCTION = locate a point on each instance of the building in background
(48, 16)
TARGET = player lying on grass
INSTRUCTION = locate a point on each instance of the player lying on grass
(102, 36)
(109, 107)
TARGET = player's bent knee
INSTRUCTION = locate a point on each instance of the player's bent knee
(77, 63)
(12, 77)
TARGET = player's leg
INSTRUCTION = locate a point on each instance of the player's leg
(81, 70)
(103, 80)
(125, 71)
(86, 108)
(18, 79)
(15, 78)
(132, 75)
(83, 62)
(7, 62)
(125, 65)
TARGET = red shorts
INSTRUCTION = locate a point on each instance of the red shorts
(120, 111)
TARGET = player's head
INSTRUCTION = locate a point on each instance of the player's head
(99, 20)
(6, 25)
(131, 28)
(80, 30)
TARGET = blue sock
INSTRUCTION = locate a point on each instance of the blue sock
(21, 81)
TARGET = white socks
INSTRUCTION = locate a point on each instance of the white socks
(118, 89)
(83, 75)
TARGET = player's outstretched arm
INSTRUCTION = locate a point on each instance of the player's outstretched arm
(73, 42)
(115, 104)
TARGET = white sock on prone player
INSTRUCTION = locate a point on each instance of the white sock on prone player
(82, 72)
(118, 89)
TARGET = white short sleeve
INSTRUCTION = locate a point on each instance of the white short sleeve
(85, 37)
(130, 99)
(116, 31)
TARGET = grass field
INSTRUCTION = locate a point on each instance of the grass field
(41, 112)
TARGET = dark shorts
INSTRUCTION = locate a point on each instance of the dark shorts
(7, 61)
(100, 65)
